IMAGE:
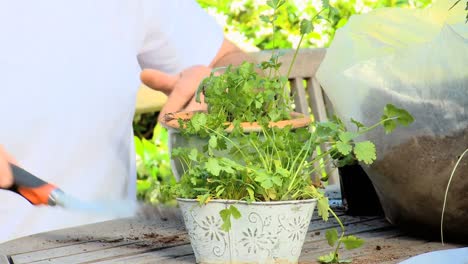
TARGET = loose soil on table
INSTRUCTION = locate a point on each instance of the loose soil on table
(411, 180)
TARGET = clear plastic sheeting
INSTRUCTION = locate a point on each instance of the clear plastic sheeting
(416, 60)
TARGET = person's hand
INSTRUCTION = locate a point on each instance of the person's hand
(180, 89)
(6, 179)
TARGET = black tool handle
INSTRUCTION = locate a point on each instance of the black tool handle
(32, 188)
(21, 177)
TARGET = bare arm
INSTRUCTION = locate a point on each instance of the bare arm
(181, 88)
(229, 54)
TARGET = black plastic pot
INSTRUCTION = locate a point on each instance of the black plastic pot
(358, 193)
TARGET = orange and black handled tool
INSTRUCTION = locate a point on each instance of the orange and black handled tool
(33, 189)
(39, 192)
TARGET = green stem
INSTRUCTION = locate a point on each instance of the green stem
(228, 139)
(298, 46)
(445, 196)
(304, 148)
(367, 129)
(294, 58)
(262, 158)
(342, 232)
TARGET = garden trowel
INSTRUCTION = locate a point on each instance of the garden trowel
(39, 192)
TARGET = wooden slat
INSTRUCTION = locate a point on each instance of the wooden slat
(331, 223)
(317, 218)
(183, 260)
(316, 100)
(306, 65)
(390, 249)
(106, 254)
(67, 251)
(317, 104)
(158, 256)
(350, 228)
(320, 248)
(298, 90)
(328, 104)
(109, 230)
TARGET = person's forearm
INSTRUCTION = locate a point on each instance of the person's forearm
(230, 54)
(234, 58)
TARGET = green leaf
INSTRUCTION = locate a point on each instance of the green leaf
(203, 199)
(330, 258)
(283, 172)
(277, 180)
(198, 121)
(251, 194)
(266, 183)
(323, 207)
(193, 181)
(193, 154)
(352, 242)
(272, 3)
(389, 125)
(275, 4)
(226, 217)
(265, 19)
(221, 144)
(306, 26)
(325, 3)
(343, 148)
(358, 124)
(347, 136)
(365, 151)
(212, 166)
(264, 179)
(396, 116)
(138, 146)
(234, 212)
(332, 236)
(220, 191)
(213, 142)
(325, 129)
(143, 185)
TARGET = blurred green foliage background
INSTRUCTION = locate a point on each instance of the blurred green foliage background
(242, 24)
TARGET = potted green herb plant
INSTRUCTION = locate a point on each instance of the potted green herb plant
(245, 166)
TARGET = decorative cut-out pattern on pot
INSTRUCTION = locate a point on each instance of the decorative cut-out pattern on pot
(267, 232)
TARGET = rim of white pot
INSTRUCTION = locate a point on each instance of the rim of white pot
(222, 201)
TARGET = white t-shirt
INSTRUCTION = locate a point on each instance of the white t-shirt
(69, 74)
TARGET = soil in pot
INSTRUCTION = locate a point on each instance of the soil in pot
(411, 180)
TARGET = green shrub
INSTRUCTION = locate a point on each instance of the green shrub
(153, 166)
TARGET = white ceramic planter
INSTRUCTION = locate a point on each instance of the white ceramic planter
(267, 232)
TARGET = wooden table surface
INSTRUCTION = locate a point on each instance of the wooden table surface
(138, 240)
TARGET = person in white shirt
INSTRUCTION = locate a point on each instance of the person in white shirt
(69, 75)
